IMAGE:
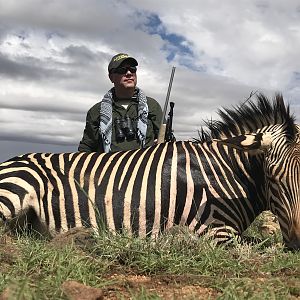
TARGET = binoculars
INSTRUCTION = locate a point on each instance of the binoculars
(124, 128)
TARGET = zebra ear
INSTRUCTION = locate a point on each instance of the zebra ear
(247, 142)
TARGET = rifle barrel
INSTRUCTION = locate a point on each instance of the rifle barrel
(168, 96)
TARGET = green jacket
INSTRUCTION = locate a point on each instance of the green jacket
(92, 141)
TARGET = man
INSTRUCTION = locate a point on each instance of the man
(125, 119)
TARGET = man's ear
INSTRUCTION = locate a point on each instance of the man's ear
(111, 77)
(247, 142)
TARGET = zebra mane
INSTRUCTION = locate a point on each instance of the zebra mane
(248, 118)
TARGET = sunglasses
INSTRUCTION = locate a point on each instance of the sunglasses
(124, 70)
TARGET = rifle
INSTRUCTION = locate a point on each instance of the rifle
(169, 136)
(166, 131)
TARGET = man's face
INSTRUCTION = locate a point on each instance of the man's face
(124, 77)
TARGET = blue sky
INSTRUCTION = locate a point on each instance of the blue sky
(175, 44)
(53, 64)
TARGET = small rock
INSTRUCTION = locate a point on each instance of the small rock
(81, 237)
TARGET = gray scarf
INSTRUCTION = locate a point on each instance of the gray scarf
(105, 126)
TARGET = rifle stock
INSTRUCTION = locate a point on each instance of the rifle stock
(162, 133)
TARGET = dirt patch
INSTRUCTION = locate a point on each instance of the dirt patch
(125, 287)
(78, 291)
(166, 287)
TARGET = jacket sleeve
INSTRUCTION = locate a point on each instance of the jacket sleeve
(91, 140)
(155, 115)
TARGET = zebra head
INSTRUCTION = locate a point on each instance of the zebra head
(268, 130)
(283, 185)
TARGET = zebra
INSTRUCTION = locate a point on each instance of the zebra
(246, 162)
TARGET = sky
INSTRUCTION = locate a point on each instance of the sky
(54, 56)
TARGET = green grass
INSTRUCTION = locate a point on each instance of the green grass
(35, 269)
(39, 270)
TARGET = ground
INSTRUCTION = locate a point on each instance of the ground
(132, 283)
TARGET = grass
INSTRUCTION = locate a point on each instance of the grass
(35, 269)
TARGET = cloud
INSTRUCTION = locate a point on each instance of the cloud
(54, 56)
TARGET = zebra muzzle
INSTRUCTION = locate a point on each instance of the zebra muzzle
(294, 237)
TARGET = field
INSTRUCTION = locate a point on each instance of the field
(78, 265)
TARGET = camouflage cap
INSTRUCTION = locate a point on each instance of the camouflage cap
(118, 59)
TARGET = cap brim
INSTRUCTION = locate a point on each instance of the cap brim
(130, 60)
(116, 64)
